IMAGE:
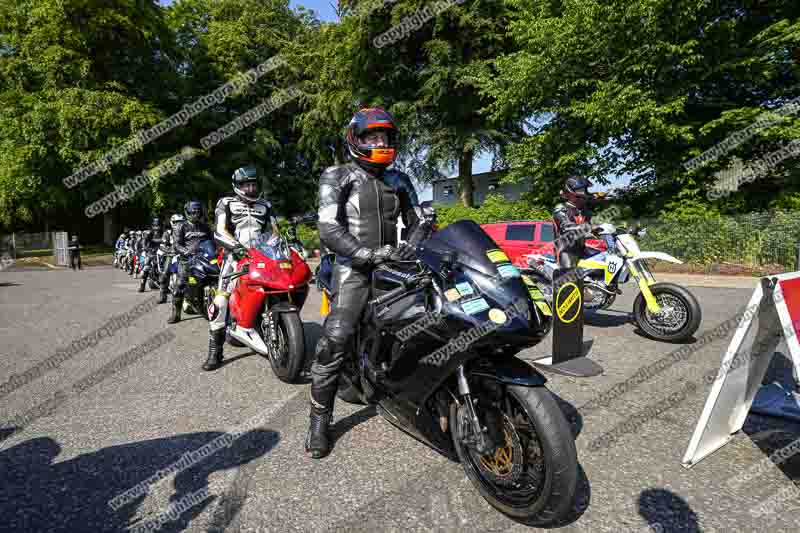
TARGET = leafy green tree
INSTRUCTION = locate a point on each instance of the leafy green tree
(641, 86)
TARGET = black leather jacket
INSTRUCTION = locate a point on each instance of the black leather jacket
(152, 241)
(189, 235)
(358, 211)
(567, 218)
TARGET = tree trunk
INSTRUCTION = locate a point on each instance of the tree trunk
(465, 178)
(338, 152)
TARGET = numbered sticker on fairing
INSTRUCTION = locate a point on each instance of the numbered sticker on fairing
(475, 306)
(465, 289)
(508, 271)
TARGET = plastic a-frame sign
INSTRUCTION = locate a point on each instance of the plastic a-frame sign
(765, 321)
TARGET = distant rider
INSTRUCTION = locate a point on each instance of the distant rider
(151, 243)
(168, 246)
(572, 220)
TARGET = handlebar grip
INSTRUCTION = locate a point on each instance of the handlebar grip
(380, 300)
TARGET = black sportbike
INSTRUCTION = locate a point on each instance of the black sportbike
(436, 352)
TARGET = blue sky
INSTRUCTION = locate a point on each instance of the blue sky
(325, 11)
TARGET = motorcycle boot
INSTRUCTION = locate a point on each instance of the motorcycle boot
(325, 383)
(177, 306)
(318, 439)
(162, 294)
(216, 343)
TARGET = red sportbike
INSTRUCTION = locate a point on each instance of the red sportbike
(264, 306)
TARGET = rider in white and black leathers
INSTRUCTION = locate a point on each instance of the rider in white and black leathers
(359, 204)
(168, 246)
(239, 220)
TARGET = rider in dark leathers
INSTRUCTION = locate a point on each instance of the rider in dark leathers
(187, 240)
(151, 242)
(359, 203)
(239, 220)
(75, 253)
(572, 220)
(168, 246)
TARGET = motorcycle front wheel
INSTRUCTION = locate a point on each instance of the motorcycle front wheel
(680, 316)
(533, 476)
(290, 346)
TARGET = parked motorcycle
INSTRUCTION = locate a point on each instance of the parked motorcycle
(664, 311)
(201, 284)
(478, 404)
(264, 307)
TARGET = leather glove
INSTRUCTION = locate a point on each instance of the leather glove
(239, 252)
(382, 254)
(406, 252)
(366, 257)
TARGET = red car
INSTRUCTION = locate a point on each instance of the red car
(523, 237)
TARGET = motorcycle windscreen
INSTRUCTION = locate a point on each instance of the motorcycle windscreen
(470, 243)
(273, 247)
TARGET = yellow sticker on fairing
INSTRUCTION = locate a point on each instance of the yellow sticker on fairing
(528, 280)
(535, 294)
(497, 256)
(544, 308)
(214, 261)
(192, 280)
(286, 266)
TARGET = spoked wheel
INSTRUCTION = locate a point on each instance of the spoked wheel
(533, 474)
(679, 317)
(289, 350)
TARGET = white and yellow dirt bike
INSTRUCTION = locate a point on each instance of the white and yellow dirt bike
(663, 311)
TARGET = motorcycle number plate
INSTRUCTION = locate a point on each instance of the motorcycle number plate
(286, 266)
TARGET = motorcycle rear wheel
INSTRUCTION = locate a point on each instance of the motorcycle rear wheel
(536, 472)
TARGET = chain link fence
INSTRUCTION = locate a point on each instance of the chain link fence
(757, 243)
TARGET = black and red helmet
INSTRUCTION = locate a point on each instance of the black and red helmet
(368, 120)
(576, 191)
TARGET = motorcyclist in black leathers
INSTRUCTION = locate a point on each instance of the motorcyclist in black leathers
(151, 242)
(187, 240)
(168, 246)
(359, 203)
(74, 253)
(572, 220)
(240, 219)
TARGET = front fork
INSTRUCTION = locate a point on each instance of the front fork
(645, 278)
(480, 439)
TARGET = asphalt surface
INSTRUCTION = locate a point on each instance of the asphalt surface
(67, 452)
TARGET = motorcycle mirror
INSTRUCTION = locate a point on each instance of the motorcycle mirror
(447, 261)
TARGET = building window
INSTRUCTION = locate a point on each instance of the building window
(447, 191)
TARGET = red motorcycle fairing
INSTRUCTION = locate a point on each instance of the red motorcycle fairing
(266, 276)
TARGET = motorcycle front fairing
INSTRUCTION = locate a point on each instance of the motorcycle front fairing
(486, 307)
